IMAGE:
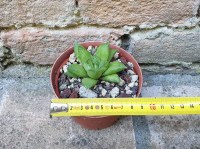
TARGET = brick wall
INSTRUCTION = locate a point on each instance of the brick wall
(163, 35)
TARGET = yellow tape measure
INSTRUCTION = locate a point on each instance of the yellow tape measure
(125, 106)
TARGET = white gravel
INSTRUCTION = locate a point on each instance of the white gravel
(134, 78)
(129, 92)
(72, 58)
(103, 92)
(87, 93)
(65, 68)
(114, 92)
(127, 88)
(131, 84)
(130, 72)
(107, 83)
(72, 80)
(90, 48)
(116, 55)
(130, 64)
(122, 82)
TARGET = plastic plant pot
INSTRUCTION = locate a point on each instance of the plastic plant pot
(93, 122)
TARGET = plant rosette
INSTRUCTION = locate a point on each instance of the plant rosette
(96, 70)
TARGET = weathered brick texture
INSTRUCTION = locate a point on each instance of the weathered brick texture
(135, 12)
(167, 46)
(22, 12)
(43, 46)
(112, 13)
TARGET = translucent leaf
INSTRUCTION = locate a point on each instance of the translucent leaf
(103, 51)
(94, 74)
(70, 74)
(88, 82)
(81, 53)
(77, 70)
(112, 53)
(96, 61)
(88, 65)
(103, 66)
(114, 78)
(114, 67)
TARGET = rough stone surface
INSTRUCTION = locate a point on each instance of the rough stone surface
(43, 46)
(25, 95)
(57, 13)
(5, 57)
(167, 46)
(135, 12)
(168, 131)
(25, 122)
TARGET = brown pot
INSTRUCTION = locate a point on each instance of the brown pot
(92, 122)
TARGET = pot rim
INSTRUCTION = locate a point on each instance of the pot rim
(98, 42)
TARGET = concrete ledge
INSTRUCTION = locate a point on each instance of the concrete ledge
(173, 132)
(25, 122)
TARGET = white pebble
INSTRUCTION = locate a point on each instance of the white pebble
(134, 78)
(72, 80)
(119, 60)
(68, 63)
(130, 64)
(130, 72)
(129, 92)
(131, 84)
(89, 48)
(61, 70)
(65, 68)
(107, 83)
(87, 93)
(134, 96)
(102, 81)
(122, 82)
(136, 84)
(116, 55)
(72, 55)
(112, 84)
(127, 88)
(103, 92)
(79, 80)
(72, 58)
(114, 92)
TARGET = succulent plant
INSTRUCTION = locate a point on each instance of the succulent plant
(95, 67)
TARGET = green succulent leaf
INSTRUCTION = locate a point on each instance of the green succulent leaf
(88, 65)
(77, 70)
(81, 53)
(88, 82)
(114, 67)
(94, 74)
(103, 66)
(70, 74)
(112, 53)
(96, 61)
(114, 78)
(103, 51)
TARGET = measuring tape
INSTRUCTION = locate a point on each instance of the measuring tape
(125, 106)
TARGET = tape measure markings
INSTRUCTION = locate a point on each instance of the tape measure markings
(125, 106)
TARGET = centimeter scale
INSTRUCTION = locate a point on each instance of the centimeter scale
(125, 106)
